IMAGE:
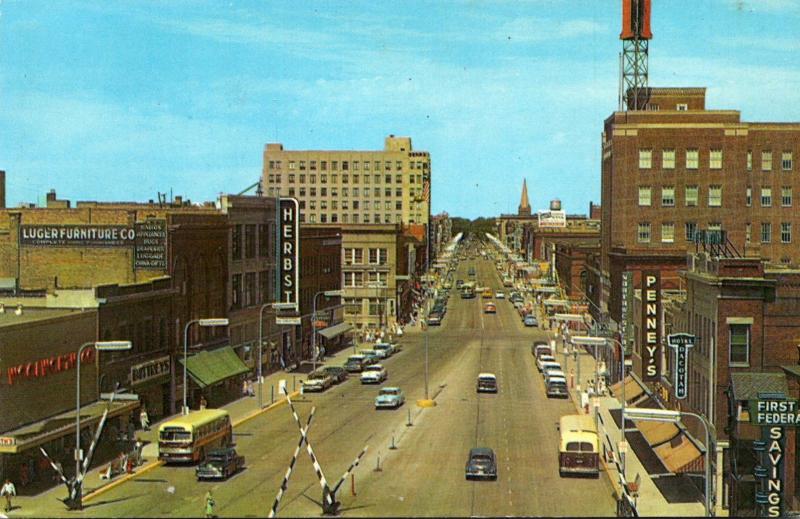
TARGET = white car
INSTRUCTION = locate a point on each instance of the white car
(374, 374)
(549, 367)
(384, 350)
(554, 374)
(544, 358)
(500, 295)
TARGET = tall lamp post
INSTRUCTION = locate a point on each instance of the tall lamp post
(671, 416)
(260, 347)
(204, 323)
(327, 293)
(98, 346)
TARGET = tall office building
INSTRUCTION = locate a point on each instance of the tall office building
(389, 186)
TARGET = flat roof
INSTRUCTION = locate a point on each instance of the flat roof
(9, 318)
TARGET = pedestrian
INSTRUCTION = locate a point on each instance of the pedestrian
(8, 490)
(144, 419)
(137, 449)
(209, 504)
(203, 402)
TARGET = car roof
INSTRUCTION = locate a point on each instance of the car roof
(486, 375)
(481, 451)
(391, 388)
(374, 366)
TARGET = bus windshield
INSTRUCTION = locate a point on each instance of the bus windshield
(174, 434)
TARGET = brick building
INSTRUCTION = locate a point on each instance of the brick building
(571, 263)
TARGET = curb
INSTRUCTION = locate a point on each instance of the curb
(426, 403)
(159, 463)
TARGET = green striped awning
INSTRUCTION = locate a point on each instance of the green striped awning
(210, 367)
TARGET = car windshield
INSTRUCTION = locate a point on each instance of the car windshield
(374, 367)
(317, 375)
(219, 456)
(481, 459)
(389, 392)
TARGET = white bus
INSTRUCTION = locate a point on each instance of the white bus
(186, 439)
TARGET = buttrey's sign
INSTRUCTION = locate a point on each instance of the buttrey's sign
(651, 325)
(50, 365)
(149, 370)
(289, 252)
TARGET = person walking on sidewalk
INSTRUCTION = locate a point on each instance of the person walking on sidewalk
(8, 490)
(144, 419)
(209, 504)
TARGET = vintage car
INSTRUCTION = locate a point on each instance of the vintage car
(390, 397)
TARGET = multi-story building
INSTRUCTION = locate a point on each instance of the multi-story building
(390, 186)
(441, 233)
(675, 168)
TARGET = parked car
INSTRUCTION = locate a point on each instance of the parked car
(530, 320)
(557, 387)
(547, 367)
(370, 356)
(541, 348)
(384, 350)
(499, 295)
(337, 373)
(391, 397)
(317, 381)
(487, 383)
(481, 464)
(374, 374)
(554, 373)
(489, 308)
(434, 319)
(220, 464)
(355, 363)
(541, 359)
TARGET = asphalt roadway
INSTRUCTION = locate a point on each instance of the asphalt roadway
(424, 474)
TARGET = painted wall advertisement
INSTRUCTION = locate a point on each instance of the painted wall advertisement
(651, 325)
(150, 247)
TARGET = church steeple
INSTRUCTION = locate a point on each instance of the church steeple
(524, 207)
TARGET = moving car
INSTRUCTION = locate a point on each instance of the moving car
(481, 464)
(499, 295)
(487, 293)
(541, 359)
(530, 320)
(373, 374)
(318, 380)
(220, 464)
(355, 363)
(391, 397)
(487, 383)
(490, 308)
(337, 373)
(384, 350)
(434, 319)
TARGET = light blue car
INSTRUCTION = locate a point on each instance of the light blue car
(390, 397)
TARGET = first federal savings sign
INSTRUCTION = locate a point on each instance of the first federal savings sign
(774, 412)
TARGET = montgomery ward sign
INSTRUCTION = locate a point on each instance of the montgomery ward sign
(289, 255)
(626, 327)
(552, 219)
(651, 326)
(681, 342)
(149, 370)
(76, 236)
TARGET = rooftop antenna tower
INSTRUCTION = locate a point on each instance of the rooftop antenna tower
(635, 37)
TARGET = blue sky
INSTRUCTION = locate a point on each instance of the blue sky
(119, 100)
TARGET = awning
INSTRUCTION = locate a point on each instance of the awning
(334, 331)
(632, 389)
(210, 367)
(678, 454)
(657, 433)
(39, 433)
(747, 385)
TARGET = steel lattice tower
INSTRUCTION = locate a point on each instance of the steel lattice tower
(635, 38)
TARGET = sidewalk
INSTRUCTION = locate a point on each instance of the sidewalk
(650, 501)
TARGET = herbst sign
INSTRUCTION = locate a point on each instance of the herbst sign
(651, 325)
(289, 243)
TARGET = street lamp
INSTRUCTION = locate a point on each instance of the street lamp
(671, 416)
(210, 322)
(327, 293)
(99, 346)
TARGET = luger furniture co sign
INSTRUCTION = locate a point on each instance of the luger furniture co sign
(289, 253)
(147, 238)
(651, 325)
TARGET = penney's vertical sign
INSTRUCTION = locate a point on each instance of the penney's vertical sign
(651, 325)
(289, 243)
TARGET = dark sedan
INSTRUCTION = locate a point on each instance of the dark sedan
(220, 464)
(337, 373)
(481, 464)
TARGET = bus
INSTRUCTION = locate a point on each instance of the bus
(579, 446)
(186, 439)
(468, 290)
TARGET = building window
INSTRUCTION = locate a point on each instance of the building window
(715, 159)
(786, 161)
(313, 180)
(748, 232)
(667, 232)
(236, 291)
(692, 158)
(766, 232)
(398, 205)
(334, 165)
(740, 344)
(766, 161)
(323, 218)
(643, 233)
(291, 178)
(786, 196)
(264, 240)
(250, 241)
(265, 285)
(353, 279)
(355, 165)
(690, 229)
(645, 196)
(668, 196)
(668, 159)
(749, 160)
(691, 196)
(291, 191)
(786, 232)
(377, 256)
(236, 242)
(323, 165)
(766, 197)
(645, 159)
(313, 191)
(249, 289)
(748, 197)
(292, 165)
(715, 196)
(345, 165)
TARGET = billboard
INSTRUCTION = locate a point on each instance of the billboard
(552, 219)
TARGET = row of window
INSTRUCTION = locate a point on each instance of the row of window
(356, 218)
(348, 165)
(245, 292)
(276, 178)
(376, 306)
(691, 195)
(355, 256)
(265, 234)
(692, 159)
(644, 232)
(358, 279)
(355, 192)
(345, 204)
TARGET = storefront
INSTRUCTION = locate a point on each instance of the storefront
(151, 381)
(216, 375)
(335, 338)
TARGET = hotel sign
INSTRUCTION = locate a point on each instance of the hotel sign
(289, 252)
(681, 342)
(651, 325)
